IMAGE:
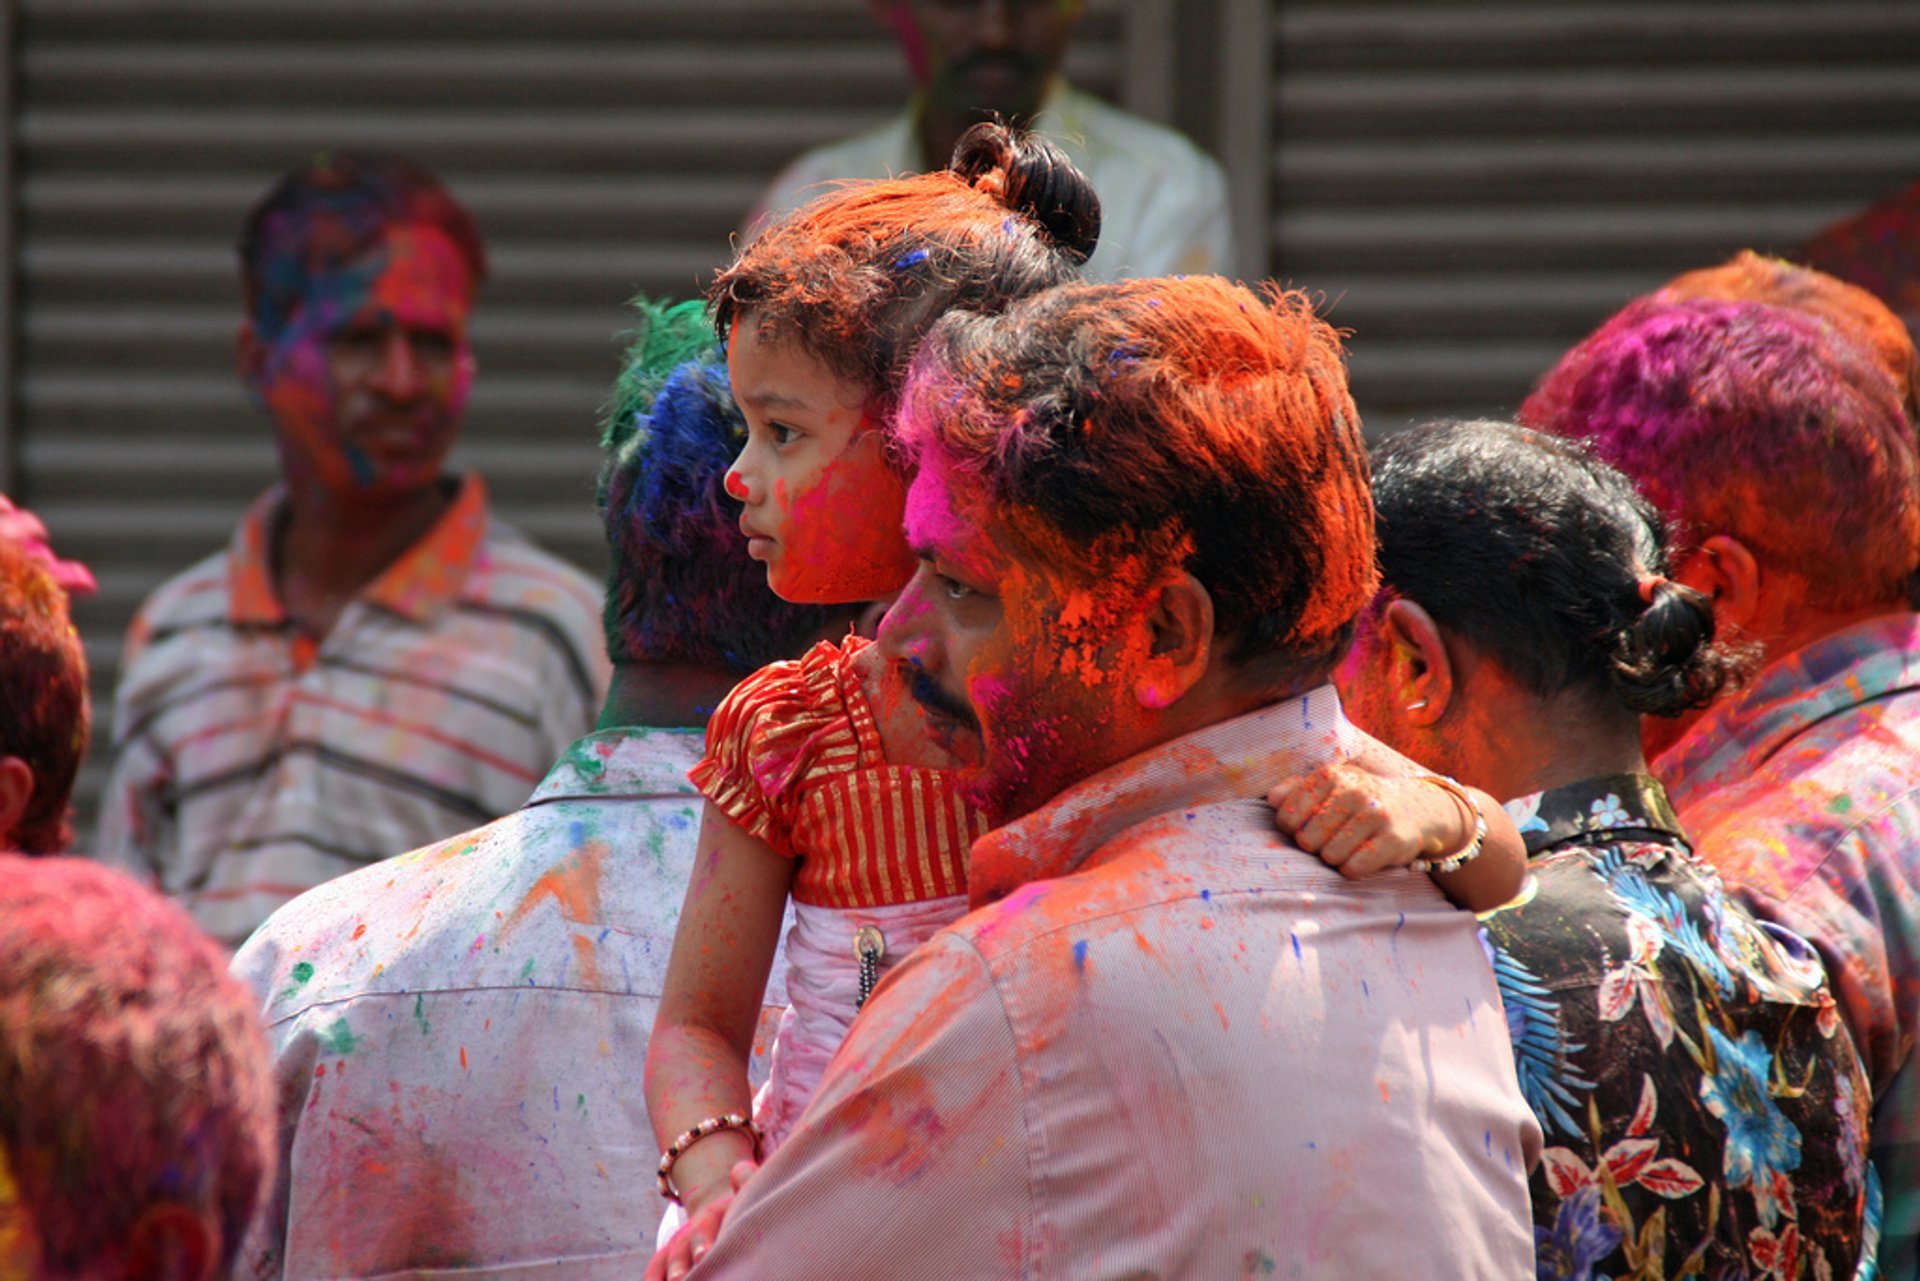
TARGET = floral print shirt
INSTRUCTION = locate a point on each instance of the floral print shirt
(1704, 1110)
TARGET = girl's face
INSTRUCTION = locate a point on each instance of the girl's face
(823, 509)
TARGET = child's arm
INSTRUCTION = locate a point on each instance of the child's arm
(716, 980)
(1361, 820)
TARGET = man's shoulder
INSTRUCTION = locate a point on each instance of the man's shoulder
(1189, 859)
(1821, 785)
(198, 595)
(520, 572)
(504, 904)
(1106, 127)
(349, 930)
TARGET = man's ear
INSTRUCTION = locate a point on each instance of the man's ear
(16, 793)
(1420, 672)
(1724, 569)
(171, 1242)
(1180, 642)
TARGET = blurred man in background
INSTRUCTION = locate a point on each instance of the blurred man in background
(375, 661)
(1163, 201)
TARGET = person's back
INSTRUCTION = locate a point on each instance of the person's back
(1703, 1105)
(459, 1030)
(1780, 447)
(457, 1027)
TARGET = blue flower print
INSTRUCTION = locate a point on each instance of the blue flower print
(1578, 1239)
(1762, 1145)
(1631, 889)
(1525, 812)
(1608, 813)
(1542, 1053)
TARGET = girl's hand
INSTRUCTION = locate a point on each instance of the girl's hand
(690, 1244)
(1361, 823)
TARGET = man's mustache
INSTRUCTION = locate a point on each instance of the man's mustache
(922, 689)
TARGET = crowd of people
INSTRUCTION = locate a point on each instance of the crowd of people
(1060, 805)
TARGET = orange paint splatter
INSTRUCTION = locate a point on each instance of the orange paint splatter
(574, 887)
(359, 929)
(463, 1059)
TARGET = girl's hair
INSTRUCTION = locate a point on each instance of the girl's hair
(681, 587)
(856, 276)
(1546, 558)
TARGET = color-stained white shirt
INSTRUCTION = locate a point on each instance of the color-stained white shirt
(1163, 201)
(251, 764)
(459, 1035)
(1166, 1044)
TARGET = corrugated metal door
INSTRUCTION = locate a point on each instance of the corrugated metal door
(605, 146)
(1474, 187)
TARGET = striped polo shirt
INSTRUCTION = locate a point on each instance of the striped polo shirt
(252, 763)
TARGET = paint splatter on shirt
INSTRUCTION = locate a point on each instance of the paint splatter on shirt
(1084, 1079)
(251, 764)
(1701, 1099)
(460, 1068)
(1804, 790)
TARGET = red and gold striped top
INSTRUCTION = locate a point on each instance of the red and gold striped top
(794, 757)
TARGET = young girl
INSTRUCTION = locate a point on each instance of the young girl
(824, 785)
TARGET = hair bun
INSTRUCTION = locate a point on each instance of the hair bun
(1665, 661)
(1034, 178)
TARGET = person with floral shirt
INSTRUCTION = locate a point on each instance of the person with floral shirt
(1779, 445)
(1704, 1110)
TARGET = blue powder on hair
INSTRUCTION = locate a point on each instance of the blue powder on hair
(907, 260)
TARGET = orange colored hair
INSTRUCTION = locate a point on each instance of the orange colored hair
(1191, 420)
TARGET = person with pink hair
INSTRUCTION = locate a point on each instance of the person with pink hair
(1778, 448)
(136, 1103)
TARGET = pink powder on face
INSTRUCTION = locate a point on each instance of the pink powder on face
(364, 398)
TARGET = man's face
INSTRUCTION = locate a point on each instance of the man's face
(983, 57)
(368, 379)
(1025, 671)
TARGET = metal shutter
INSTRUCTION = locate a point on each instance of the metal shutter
(605, 146)
(1474, 187)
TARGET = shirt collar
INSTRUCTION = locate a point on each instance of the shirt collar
(1832, 675)
(422, 584)
(633, 762)
(1601, 807)
(1233, 760)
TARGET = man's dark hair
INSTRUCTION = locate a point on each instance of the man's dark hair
(43, 697)
(323, 215)
(682, 587)
(1547, 559)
